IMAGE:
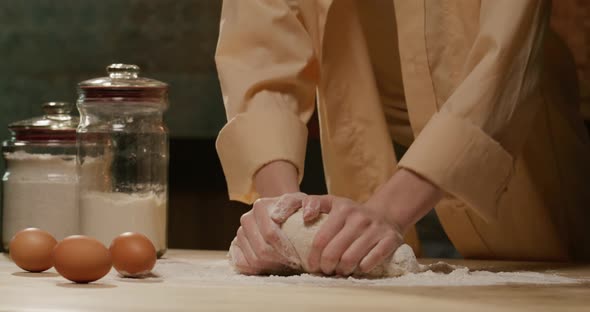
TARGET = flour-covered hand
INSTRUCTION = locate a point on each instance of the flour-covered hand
(353, 237)
(260, 246)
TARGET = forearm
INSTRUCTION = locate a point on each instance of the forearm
(405, 199)
(276, 178)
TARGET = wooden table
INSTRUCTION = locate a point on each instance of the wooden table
(20, 291)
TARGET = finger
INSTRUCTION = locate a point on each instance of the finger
(384, 248)
(232, 250)
(326, 202)
(273, 236)
(354, 226)
(324, 235)
(266, 257)
(286, 206)
(311, 208)
(357, 251)
(240, 262)
(246, 249)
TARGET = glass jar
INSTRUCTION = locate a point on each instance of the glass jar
(122, 130)
(40, 181)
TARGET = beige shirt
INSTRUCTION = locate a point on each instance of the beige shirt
(491, 123)
(379, 26)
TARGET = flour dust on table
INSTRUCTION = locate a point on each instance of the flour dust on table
(401, 269)
(199, 272)
(211, 273)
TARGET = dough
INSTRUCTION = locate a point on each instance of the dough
(301, 236)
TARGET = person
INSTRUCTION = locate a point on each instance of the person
(472, 88)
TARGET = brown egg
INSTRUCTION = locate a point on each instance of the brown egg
(133, 254)
(81, 259)
(31, 249)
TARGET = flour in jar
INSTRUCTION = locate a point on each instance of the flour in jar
(105, 215)
(40, 190)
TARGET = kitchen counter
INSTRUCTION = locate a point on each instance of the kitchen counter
(185, 283)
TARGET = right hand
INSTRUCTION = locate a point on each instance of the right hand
(260, 246)
(353, 237)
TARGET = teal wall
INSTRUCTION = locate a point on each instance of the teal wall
(47, 46)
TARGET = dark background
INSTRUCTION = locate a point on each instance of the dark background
(48, 46)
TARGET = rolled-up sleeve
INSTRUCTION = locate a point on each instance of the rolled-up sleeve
(469, 146)
(268, 73)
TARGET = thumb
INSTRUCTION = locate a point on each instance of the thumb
(314, 205)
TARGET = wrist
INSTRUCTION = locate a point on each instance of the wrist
(404, 199)
(276, 178)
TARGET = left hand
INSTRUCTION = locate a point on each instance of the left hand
(352, 237)
(260, 246)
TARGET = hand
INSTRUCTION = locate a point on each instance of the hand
(352, 237)
(260, 246)
(405, 199)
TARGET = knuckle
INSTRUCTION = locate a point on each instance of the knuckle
(359, 219)
(366, 221)
(354, 216)
(377, 229)
(271, 236)
(244, 218)
(265, 201)
(258, 208)
(387, 233)
(345, 208)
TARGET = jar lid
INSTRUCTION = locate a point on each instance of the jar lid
(56, 125)
(123, 83)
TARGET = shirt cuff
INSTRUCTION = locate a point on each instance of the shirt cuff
(253, 139)
(463, 161)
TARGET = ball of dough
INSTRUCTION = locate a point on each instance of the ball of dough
(301, 236)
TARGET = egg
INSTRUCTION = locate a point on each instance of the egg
(31, 249)
(81, 259)
(134, 255)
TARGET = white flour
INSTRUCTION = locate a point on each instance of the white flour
(40, 190)
(105, 215)
(219, 272)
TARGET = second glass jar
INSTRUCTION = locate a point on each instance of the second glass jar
(123, 156)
